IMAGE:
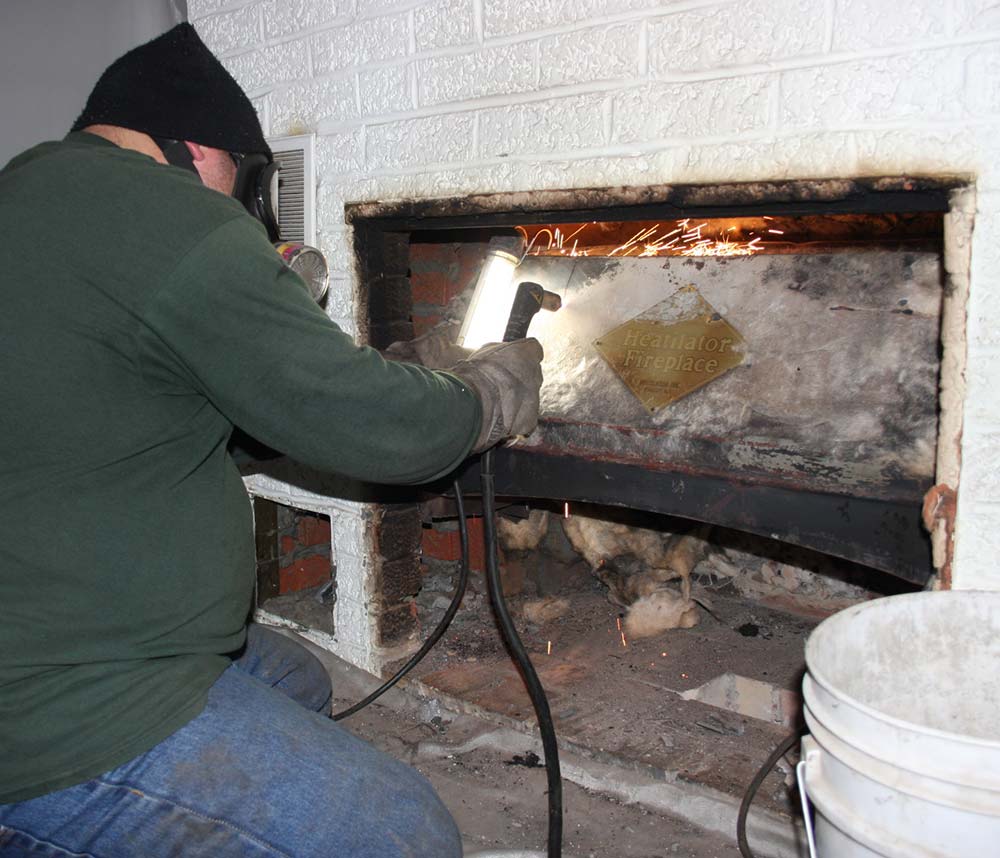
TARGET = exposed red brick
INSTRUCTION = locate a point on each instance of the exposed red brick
(440, 544)
(477, 551)
(304, 573)
(429, 288)
(313, 530)
(287, 545)
(422, 324)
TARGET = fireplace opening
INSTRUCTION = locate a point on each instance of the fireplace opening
(296, 576)
(788, 485)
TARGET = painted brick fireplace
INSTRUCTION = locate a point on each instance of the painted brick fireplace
(414, 101)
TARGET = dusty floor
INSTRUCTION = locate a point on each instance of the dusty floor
(620, 698)
(499, 803)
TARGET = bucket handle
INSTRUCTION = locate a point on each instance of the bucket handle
(800, 776)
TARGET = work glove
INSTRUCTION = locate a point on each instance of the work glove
(435, 349)
(507, 378)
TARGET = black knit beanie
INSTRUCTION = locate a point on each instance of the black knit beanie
(174, 87)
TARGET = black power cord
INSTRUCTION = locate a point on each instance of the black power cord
(741, 818)
(456, 600)
(520, 656)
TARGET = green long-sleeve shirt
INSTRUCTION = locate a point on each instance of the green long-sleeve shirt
(142, 316)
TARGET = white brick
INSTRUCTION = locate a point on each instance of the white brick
(338, 153)
(386, 90)
(301, 107)
(744, 33)
(230, 31)
(429, 140)
(595, 172)
(981, 466)
(702, 109)
(493, 71)
(983, 312)
(367, 8)
(861, 24)
(919, 151)
(543, 126)
(443, 24)
(509, 17)
(352, 587)
(976, 16)
(977, 545)
(352, 618)
(370, 40)
(269, 66)
(826, 155)
(348, 325)
(982, 75)
(284, 17)
(982, 395)
(336, 246)
(197, 9)
(349, 534)
(261, 107)
(917, 87)
(339, 303)
(494, 178)
(594, 54)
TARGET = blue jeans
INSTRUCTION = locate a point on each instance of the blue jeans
(260, 773)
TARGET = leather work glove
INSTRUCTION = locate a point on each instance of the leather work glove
(435, 349)
(507, 378)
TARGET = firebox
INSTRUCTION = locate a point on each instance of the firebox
(824, 436)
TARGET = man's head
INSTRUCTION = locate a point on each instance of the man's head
(176, 91)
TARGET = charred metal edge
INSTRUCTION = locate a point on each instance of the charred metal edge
(665, 202)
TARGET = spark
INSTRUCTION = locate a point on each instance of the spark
(549, 650)
(566, 510)
(663, 654)
(777, 231)
(623, 640)
(685, 238)
(619, 621)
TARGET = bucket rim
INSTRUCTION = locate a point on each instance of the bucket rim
(824, 682)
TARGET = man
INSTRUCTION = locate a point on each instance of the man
(144, 315)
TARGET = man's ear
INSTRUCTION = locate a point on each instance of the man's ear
(197, 153)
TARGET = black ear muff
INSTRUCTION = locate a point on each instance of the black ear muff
(264, 202)
(253, 189)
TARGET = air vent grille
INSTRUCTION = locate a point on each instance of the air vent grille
(294, 204)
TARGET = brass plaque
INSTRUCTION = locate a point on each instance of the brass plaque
(672, 349)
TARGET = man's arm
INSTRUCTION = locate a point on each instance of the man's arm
(234, 323)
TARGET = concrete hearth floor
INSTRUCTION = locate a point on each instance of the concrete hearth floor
(477, 762)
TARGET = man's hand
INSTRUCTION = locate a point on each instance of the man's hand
(435, 349)
(507, 378)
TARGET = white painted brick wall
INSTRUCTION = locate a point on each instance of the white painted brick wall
(429, 98)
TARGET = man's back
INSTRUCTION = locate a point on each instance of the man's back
(115, 491)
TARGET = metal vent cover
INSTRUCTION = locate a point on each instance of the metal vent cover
(294, 201)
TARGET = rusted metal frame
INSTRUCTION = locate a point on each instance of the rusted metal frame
(884, 535)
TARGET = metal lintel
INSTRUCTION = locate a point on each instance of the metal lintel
(884, 535)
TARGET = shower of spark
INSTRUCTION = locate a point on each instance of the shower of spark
(684, 239)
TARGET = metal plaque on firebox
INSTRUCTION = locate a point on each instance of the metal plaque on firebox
(672, 349)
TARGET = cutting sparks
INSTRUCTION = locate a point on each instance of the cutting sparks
(548, 651)
(677, 238)
(566, 510)
(623, 640)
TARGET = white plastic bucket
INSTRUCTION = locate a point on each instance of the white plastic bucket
(902, 700)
